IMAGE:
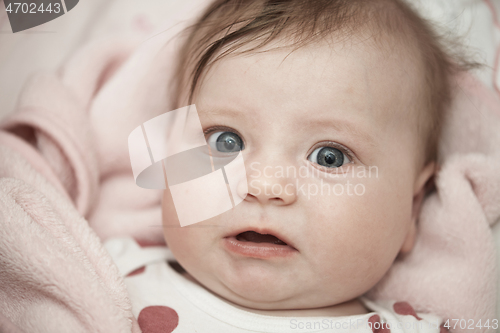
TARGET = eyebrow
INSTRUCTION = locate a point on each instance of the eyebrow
(222, 112)
(340, 126)
(343, 126)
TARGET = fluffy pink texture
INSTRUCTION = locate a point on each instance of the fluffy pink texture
(65, 166)
(56, 276)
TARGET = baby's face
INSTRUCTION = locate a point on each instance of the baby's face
(342, 118)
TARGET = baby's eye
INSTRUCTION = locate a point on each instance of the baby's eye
(328, 157)
(225, 142)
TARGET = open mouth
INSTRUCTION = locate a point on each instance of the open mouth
(255, 237)
(258, 245)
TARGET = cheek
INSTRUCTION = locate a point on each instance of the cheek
(178, 239)
(360, 235)
(186, 243)
(384, 215)
(378, 207)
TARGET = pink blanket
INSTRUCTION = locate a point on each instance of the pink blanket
(66, 185)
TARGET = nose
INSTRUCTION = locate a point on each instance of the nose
(270, 184)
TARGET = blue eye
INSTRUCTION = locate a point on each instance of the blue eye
(328, 157)
(225, 142)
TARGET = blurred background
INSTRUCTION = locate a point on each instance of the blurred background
(45, 47)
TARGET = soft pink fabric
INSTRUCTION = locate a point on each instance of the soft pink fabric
(55, 275)
(64, 166)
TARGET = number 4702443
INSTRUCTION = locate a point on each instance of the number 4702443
(31, 8)
(470, 324)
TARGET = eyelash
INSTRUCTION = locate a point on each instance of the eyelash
(331, 144)
(214, 129)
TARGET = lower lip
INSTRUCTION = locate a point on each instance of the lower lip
(257, 250)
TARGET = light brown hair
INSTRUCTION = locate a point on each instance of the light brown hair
(227, 26)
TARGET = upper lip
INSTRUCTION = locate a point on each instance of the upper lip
(264, 231)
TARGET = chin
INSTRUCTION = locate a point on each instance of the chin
(256, 287)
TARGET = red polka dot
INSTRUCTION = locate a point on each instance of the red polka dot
(405, 309)
(377, 326)
(158, 319)
(137, 271)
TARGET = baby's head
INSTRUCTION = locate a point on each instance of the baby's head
(337, 107)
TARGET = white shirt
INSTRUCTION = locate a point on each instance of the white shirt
(163, 300)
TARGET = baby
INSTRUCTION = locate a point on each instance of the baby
(336, 107)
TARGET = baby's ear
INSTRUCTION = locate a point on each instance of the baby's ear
(421, 185)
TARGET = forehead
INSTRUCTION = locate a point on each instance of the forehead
(332, 70)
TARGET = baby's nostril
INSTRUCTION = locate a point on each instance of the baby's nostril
(250, 197)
